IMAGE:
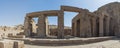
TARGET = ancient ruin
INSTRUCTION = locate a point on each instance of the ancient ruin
(42, 23)
(85, 24)
(87, 27)
(103, 22)
(42, 29)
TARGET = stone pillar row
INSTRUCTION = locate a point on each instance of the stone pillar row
(42, 29)
(101, 33)
(107, 26)
(102, 27)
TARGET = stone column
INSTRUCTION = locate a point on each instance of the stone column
(47, 26)
(60, 25)
(75, 27)
(41, 27)
(72, 29)
(107, 26)
(94, 27)
(78, 28)
(27, 26)
(82, 30)
(101, 33)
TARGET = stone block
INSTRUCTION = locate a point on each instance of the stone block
(20, 36)
(6, 44)
(17, 36)
(18, 44)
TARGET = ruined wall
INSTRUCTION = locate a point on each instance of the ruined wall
(53, 32)
(83, 25)
(105, 22)
(113, 11)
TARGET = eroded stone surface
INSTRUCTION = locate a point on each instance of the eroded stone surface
(18, 44)
(103, 22)
(11, 44)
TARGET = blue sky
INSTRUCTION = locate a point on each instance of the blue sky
(12, 12)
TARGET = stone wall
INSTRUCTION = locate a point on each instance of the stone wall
(84, 24)
(11, 44)
(53, 32)
(111, 10)
(103, 22)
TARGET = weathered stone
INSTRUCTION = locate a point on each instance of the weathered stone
(83, 22)
(11, 44)
(104, 22)
(17, 36)
(41, 27)
(27, 26)
(111, 10)
(6, 44)
(42, 30)
(18, 44)
(54, 32)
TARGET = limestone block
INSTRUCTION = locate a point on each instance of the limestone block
(17, 36)
(18, 44)
(20, 36)
(6, 44)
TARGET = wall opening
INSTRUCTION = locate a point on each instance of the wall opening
(52, 25)
(34, 26)
(68, 16)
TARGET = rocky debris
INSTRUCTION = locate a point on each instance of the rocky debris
(15, 28)
(6, 31)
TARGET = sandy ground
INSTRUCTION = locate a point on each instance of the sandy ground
(115, 43)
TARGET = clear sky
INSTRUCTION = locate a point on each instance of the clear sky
(12, 12)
